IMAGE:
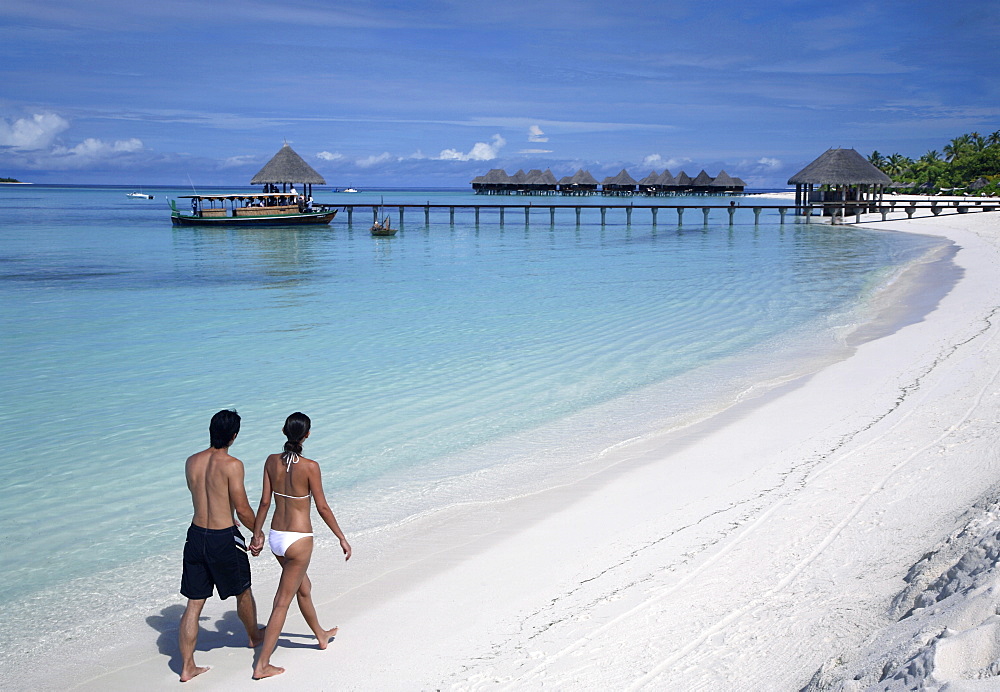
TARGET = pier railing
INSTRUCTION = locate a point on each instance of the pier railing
(838, 212)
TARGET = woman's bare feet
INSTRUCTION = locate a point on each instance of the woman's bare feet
(267, 671)
(327, 637)
(193, 672)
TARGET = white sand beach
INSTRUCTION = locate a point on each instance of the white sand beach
(840, 531)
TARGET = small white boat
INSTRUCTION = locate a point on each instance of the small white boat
(138, 195)
(349, 189)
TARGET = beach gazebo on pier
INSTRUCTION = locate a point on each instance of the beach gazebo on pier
(287, 168)
(838, 175)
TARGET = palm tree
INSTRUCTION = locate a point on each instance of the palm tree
(896, 164)
(993, 139)
(977, 141)
(876, 159)
(931, 157)
(956, 147)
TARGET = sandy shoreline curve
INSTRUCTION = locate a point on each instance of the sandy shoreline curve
(765, 548)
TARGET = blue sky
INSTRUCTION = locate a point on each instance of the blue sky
(434, 93)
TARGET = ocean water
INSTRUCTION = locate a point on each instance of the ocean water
(451, 362)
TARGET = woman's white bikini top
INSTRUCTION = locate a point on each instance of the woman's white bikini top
(290, 458)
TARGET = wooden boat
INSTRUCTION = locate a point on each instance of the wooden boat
(383, 228)
(251, 209)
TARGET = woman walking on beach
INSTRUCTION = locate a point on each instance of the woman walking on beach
(292, 479)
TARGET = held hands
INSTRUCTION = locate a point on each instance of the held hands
(346, 547)
(257, 544)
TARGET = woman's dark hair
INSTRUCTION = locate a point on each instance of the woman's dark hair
(223, 428)
(296, 428)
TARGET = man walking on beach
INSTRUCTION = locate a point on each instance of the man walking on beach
(215, 554)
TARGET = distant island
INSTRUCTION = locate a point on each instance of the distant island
(12, 181)
(969, 164)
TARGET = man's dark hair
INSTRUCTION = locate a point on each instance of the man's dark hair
(223, 428)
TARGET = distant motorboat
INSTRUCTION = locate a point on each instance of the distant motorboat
(139, 195)
(349, 189)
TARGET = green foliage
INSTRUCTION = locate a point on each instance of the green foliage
(9, 180)
(960, 162)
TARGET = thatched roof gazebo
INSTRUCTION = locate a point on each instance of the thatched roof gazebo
(842, 175)
(287, 168)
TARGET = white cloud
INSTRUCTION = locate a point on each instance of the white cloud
(535, 134)
(36, 132)
(242, 160)
(91, 148)
(374, 160)
(481, 151)
(658, 161)
(89, 152)
(535, 151)
(327, 156)
(768, 162)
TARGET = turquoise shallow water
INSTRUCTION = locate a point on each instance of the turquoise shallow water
(423, 359)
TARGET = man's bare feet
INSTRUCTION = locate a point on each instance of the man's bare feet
(258, 640)
(329, 635)
(267, 671)
(195, 671)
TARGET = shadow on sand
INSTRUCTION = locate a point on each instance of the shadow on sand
(227, 631)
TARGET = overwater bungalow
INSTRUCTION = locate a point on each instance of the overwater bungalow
(582, 183)
(726, 184)
(665, 183)
(496, 182)
(682, 183)
(620, 185)
(542, 183)
(702, 183)
(537, 182)
(839, 175)
(648, 184)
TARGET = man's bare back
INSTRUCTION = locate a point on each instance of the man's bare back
(215, 551)
(215, 479)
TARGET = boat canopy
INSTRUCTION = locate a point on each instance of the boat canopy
(241, 195)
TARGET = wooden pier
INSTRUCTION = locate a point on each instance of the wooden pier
(838, 212)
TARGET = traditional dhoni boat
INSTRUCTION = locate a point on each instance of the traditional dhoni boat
(279, 203)
(383, 228)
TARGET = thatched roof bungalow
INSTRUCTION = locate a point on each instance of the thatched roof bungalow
(682, 183)
(648, 184)
(838, 175)
(621, 184)
(582, 183)
(724, 183)
(287, 168)
(702, 182)
(496, 182)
